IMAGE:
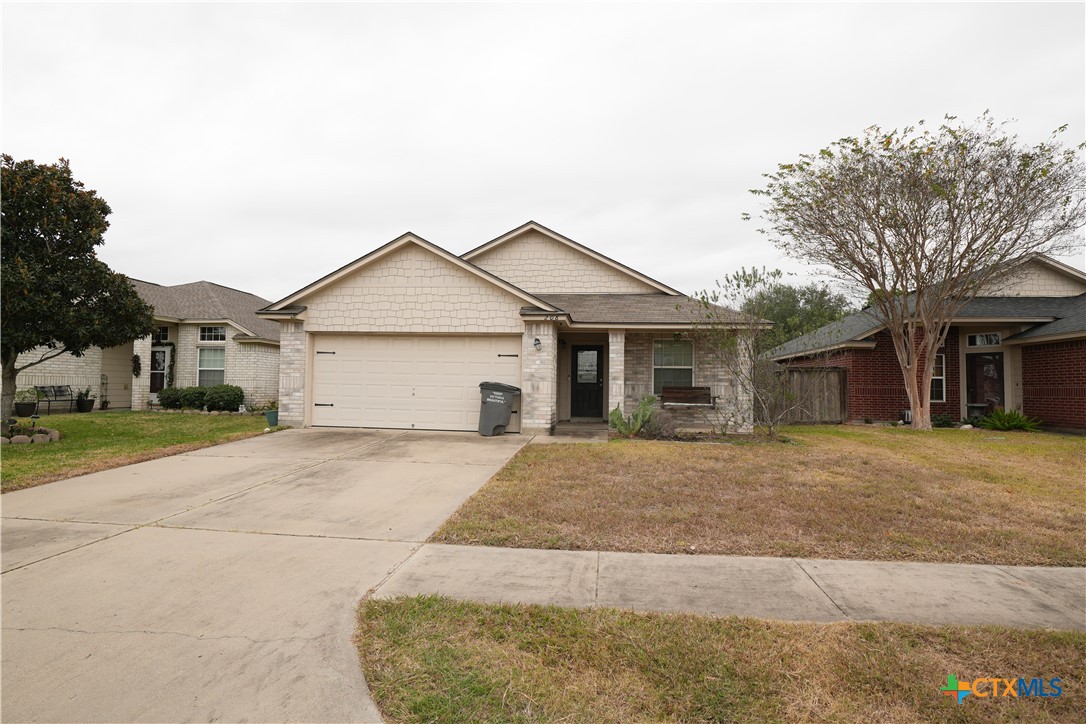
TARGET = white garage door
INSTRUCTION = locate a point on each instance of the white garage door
(424, 383)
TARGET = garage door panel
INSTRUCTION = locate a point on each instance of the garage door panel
(409, 381)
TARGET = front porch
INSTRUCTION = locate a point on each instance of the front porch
(577, 376)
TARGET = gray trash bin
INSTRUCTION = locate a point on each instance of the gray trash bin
(496, 407)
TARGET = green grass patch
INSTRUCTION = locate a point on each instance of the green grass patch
(102, 440)
(433, 659)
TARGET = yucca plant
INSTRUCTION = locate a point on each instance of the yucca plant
(1009, 420)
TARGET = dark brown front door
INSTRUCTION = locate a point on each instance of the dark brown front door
(587, 388)
(984, 382)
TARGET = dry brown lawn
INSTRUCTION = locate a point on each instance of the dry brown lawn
(432, 659)
(834, 492)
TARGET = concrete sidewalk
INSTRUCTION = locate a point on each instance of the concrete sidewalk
(786, 589)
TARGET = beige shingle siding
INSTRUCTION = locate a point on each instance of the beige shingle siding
(1034, 279)
(537, 263)
(413, 290)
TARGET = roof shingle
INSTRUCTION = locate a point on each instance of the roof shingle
(205, 300)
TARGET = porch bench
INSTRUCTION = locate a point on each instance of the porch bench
(687, 397)
(55, 395)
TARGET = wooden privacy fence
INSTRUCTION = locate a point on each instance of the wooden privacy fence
(817, 394)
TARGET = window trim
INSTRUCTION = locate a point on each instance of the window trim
(200, 367)
(970, 339)
(157, 339)
(940, 361)
(693, 362)
(206, 336)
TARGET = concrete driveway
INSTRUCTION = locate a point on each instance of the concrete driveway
(220, 585)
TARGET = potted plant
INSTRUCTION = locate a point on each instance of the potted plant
(271, 415)
(83, 401)
(26, 402)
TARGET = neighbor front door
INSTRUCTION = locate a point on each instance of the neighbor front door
(984, 382)
(160, 364)
(587, 388)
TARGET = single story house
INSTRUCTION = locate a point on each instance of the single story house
(206, 334)
(1021, 345)
(402, 337)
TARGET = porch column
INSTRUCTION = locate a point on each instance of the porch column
(616, 370)
(539, 379)
(141, 386)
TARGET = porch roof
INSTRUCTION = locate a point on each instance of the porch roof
(635, 309)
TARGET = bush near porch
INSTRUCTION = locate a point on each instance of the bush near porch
(103, 440)
(956, 496)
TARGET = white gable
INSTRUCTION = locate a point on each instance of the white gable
(412, 289)
(1035, 279)
(539, 264)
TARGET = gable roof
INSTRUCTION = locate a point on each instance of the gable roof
(555, 236)
(291, 300)
(206, 301)
(635, 309)
(1069, 312)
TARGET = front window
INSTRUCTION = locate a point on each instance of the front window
(938, 379)
(160, 335)
(212, 334)
(212, 366)
(672, 364)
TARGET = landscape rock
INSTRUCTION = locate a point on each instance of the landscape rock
(20, 440)
(5, 441)
(966, 427)
(40, 437)
(54, 435)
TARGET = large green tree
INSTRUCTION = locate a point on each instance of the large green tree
(58, 296)
(794, 310)
(937, 215)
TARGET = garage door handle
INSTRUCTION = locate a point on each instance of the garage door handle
(319, 352)
(323, 404)
(509, 355)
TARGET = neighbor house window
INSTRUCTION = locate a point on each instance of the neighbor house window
(212, 366)
(672, 364)
(160, 335)
(938, 379)
(988, 339)
(212, 334)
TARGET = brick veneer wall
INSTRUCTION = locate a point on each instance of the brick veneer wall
(292, 351)
(255, 369)
(733, 405)
(79, 372)
(875, 387)
(539, 378)
(1054, 383)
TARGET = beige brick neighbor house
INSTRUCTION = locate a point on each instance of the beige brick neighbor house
(206, 334)
(403, 336)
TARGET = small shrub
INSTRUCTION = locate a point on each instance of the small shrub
(1009, 420)
(631, 426)
(170, 398)
(227, 398)
(868, 421)
(973, 420)
(660, 426)
(943, 420)
(192, 398)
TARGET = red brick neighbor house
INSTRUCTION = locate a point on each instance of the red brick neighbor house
(1021, 346)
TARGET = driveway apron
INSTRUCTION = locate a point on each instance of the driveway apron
(221, 584)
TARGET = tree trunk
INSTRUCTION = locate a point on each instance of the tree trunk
(7, 397)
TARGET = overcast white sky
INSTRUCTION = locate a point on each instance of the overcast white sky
(261, 146)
